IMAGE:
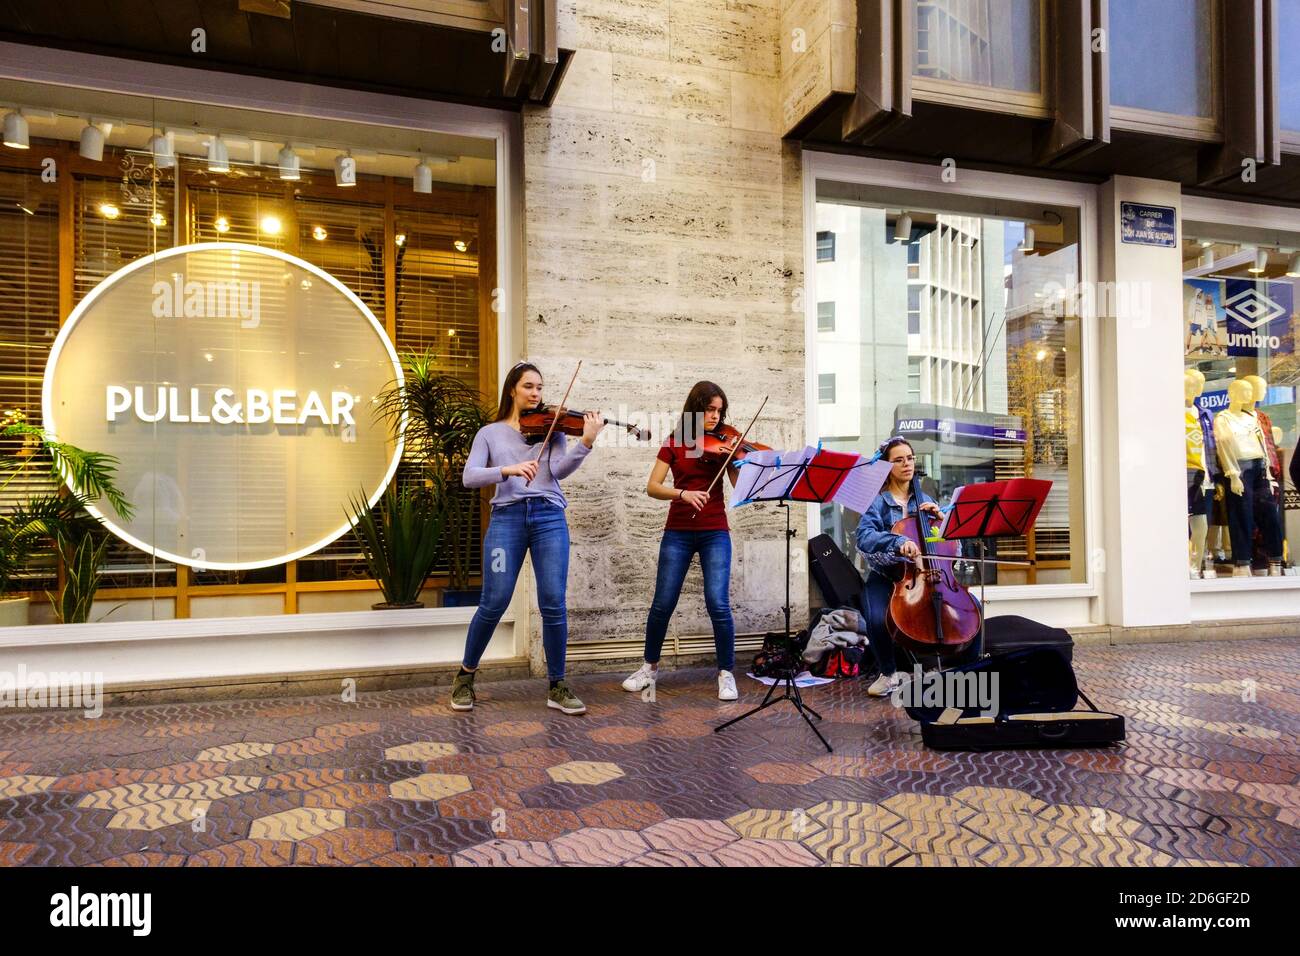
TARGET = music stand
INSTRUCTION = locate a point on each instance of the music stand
(993, 509)
(812, 476)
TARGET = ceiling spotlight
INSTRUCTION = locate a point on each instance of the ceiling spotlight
(157, 220)
(451, 332)
(1261, 262)
(319, 234)
(221, 224)
(290, 164)
(270, 225)
(1028, 244)
(1206, 243)
(92, 142)
(1042, 354)
(1293, 270)
(207, 356)
(422, 179)
(461, 245)
(15, 135)
(345, 170)
(903, 229)
(109, 211)
(218, 156)
(400, 239)
(160, 144)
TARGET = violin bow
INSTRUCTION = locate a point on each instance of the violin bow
(555, 418)
(740, 441)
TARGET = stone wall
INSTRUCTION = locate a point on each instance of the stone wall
(663, 246)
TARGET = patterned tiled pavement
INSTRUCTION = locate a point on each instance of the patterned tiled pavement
(1208, 775)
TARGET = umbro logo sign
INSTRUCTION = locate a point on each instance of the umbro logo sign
(1252, 309)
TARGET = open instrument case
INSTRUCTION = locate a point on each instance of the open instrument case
(1034, 706)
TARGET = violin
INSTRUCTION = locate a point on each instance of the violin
(930, 611)
(723, 440)
(536, 423)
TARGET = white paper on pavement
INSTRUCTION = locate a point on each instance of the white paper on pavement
(802, 679)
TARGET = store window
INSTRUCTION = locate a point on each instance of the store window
(983, 45)
(403, 220)
(986, 383)
(1241, 327)
(1162, 57)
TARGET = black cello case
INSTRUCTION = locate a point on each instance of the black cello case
(1035, 707)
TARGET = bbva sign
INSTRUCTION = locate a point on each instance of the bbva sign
(237, 386)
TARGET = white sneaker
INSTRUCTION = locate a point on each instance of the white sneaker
(726, 686)
(643, 677)
(896, 680)
(1209, 573)
(880, 686)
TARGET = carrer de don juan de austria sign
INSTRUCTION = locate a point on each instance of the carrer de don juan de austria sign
(237, 387)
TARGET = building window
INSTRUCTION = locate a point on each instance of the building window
(986, 51)
(1241, 376)
(422, 263)
(825, 316)
(914, 309)
(1162, 57)
(826, 389)
(1288, 61)
(825, 247)
(965, 361)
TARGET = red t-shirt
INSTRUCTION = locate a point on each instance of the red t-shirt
(692, 472)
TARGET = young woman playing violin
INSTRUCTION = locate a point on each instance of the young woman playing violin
(697, 524)
(527, 516)
(883, 551)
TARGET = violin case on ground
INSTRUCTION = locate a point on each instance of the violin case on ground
(836, 576)
(1036, 698)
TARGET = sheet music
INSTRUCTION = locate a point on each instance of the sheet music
(862, 485)
(768, 483)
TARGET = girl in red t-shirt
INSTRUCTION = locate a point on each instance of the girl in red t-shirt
(697, 524)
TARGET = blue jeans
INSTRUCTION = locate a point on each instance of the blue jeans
(675, 553)
(1253, 508)
(875, 605)
(532, 525)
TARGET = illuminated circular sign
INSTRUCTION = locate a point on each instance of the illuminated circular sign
(237, 386)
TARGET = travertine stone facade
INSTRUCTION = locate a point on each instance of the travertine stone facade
(663, 246)
(817, 55)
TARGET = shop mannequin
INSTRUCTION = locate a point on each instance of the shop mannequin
(1198, 481)
(1240, 445)
(1272, 434)
(1215, 505)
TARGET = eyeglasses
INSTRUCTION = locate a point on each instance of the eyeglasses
(906, 459)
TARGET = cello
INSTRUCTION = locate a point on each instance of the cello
(930, 611)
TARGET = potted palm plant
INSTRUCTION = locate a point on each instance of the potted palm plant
(400, 539)
(39, 521)
(442, 415)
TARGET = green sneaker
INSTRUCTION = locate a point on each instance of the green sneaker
(564, 700)
(462, 692)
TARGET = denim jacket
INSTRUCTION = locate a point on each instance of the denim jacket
(878, 545)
